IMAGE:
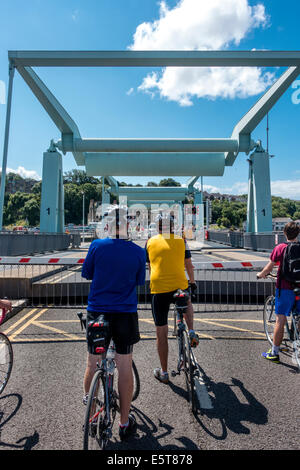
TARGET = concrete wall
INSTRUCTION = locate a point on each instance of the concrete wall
(15, 244)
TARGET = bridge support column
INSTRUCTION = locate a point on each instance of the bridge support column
(52, 199)
(259, 208)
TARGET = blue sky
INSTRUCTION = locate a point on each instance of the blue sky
(139, 102)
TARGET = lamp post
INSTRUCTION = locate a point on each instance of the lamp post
(83, 215)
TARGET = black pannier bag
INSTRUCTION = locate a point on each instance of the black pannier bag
(97, 333)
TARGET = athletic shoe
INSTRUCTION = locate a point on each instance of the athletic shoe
(85, 399)
(162, 377)
(194, 339)
(127, 431)
(271, 357)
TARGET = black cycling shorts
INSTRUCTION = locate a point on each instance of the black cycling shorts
(160, 307)
(123, 329)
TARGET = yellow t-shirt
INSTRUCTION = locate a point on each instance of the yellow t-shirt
(167, 270)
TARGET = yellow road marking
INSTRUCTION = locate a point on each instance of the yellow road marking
(20, 321)
(210, 322)
(55, 330)
(28, 323)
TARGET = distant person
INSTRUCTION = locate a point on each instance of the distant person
(168, 257)
(284, 295)
(116, 266)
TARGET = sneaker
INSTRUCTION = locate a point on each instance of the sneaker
(271, 357)
(127, 431)
(162, 377)
(194, 339)
(85, 399)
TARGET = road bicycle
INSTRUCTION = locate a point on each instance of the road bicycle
(6, 356)
(291, 333)
(186, 359)
(103, 401)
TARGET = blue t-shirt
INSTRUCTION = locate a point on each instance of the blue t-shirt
(115, 267)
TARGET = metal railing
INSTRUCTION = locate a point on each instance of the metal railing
(57, 282)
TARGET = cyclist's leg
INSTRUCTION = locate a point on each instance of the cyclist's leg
(189, 315)
(284, 301)
(189, 318)
(125, 384)
(160, 309)
(125, 333)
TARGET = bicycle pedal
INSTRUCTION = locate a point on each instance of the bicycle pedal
(174, 373)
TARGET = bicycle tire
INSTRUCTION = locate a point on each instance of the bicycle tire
(6, 360)
(296, 345)
(136, 382)
(95, 416)
(189, 371)
(269, 318)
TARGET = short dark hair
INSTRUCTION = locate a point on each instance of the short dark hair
(291, 230)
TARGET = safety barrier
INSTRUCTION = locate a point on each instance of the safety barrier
(57, 282)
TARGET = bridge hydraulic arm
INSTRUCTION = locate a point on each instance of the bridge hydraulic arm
(242, 131)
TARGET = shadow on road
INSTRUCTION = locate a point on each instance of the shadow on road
(9, 407)
(149, 434)
(228, 412)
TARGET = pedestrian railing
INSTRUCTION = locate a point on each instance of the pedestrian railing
(57, 282)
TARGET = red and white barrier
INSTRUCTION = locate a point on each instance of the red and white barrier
(53, 261)
(38, 260)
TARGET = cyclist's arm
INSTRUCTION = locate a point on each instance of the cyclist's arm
(88, 265)
(189, 269)
(267, 269)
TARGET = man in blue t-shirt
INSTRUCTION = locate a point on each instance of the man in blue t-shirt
(116, 266)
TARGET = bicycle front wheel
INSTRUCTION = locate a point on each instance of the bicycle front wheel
(6, 360)
(189, 371)
(296, 344)
(269, 318)
(95, 424)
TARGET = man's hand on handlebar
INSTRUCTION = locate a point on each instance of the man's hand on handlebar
(193, 287)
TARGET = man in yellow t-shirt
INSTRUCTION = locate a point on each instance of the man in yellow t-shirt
(168, 257)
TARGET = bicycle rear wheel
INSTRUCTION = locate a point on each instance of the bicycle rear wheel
(6, 360)
(189, 370)
(95, 423)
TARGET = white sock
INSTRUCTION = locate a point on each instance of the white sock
(275, 350)
(124, 425)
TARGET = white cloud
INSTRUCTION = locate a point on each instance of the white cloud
(130, 91)
(24, 173)
(283, 188)
(202, 25)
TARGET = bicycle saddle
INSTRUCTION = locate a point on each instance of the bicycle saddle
(181, 297)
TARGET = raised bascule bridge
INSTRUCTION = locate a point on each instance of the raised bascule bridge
(194, 158)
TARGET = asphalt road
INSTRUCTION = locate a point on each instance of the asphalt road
(246, 402)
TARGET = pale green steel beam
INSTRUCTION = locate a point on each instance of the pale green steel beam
(256, 114)
(57, 113)
(155, 58)
(154, 164)
(149, 145)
